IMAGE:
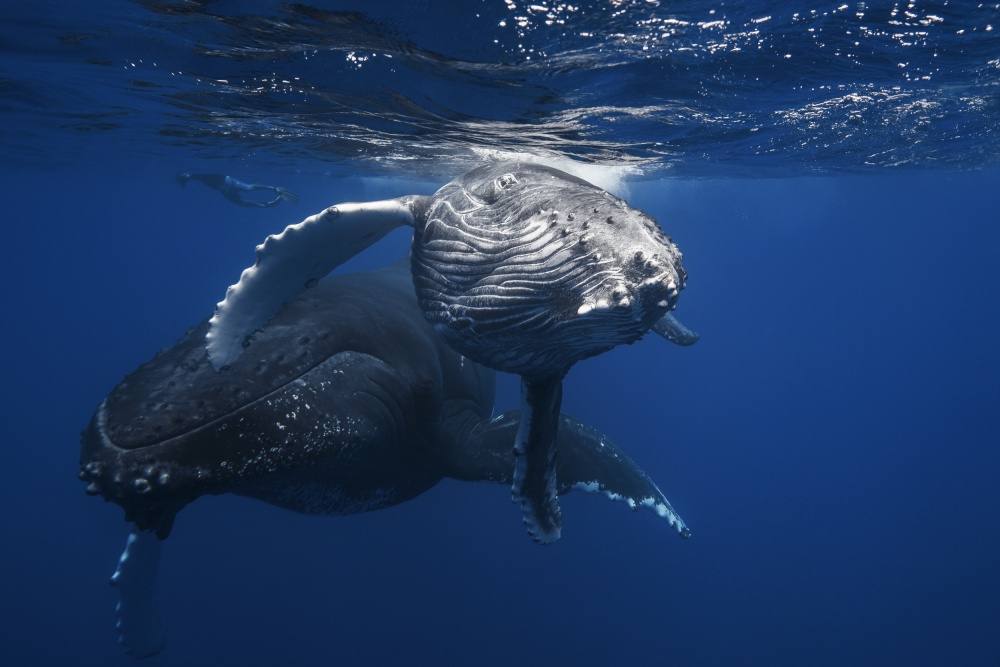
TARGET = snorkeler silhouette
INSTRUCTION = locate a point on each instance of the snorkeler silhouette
(232, 189)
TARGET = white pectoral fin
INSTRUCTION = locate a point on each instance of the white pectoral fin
(139, 629)
(289, 262)
(671, 328)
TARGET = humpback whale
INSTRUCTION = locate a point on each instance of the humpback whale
(347, 401)
(520, 267)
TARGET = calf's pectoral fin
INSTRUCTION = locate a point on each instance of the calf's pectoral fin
(294, 260)
(535, 486)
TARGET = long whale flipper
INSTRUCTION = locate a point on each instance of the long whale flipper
(588, 461)
(294, 260)
(139, 628)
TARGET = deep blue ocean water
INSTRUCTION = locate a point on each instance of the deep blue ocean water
(830, 172)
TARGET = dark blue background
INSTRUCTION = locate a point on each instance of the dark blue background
(831, 441)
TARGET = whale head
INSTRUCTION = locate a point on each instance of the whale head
(528, 270)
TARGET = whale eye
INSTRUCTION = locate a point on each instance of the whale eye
(505, 181)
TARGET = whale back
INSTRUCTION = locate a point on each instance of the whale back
(342, 404)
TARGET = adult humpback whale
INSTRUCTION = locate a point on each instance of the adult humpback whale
(520, 267)
(347, 402)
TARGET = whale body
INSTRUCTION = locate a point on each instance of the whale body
(347, 401)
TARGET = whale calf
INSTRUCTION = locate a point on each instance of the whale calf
(520, 267)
